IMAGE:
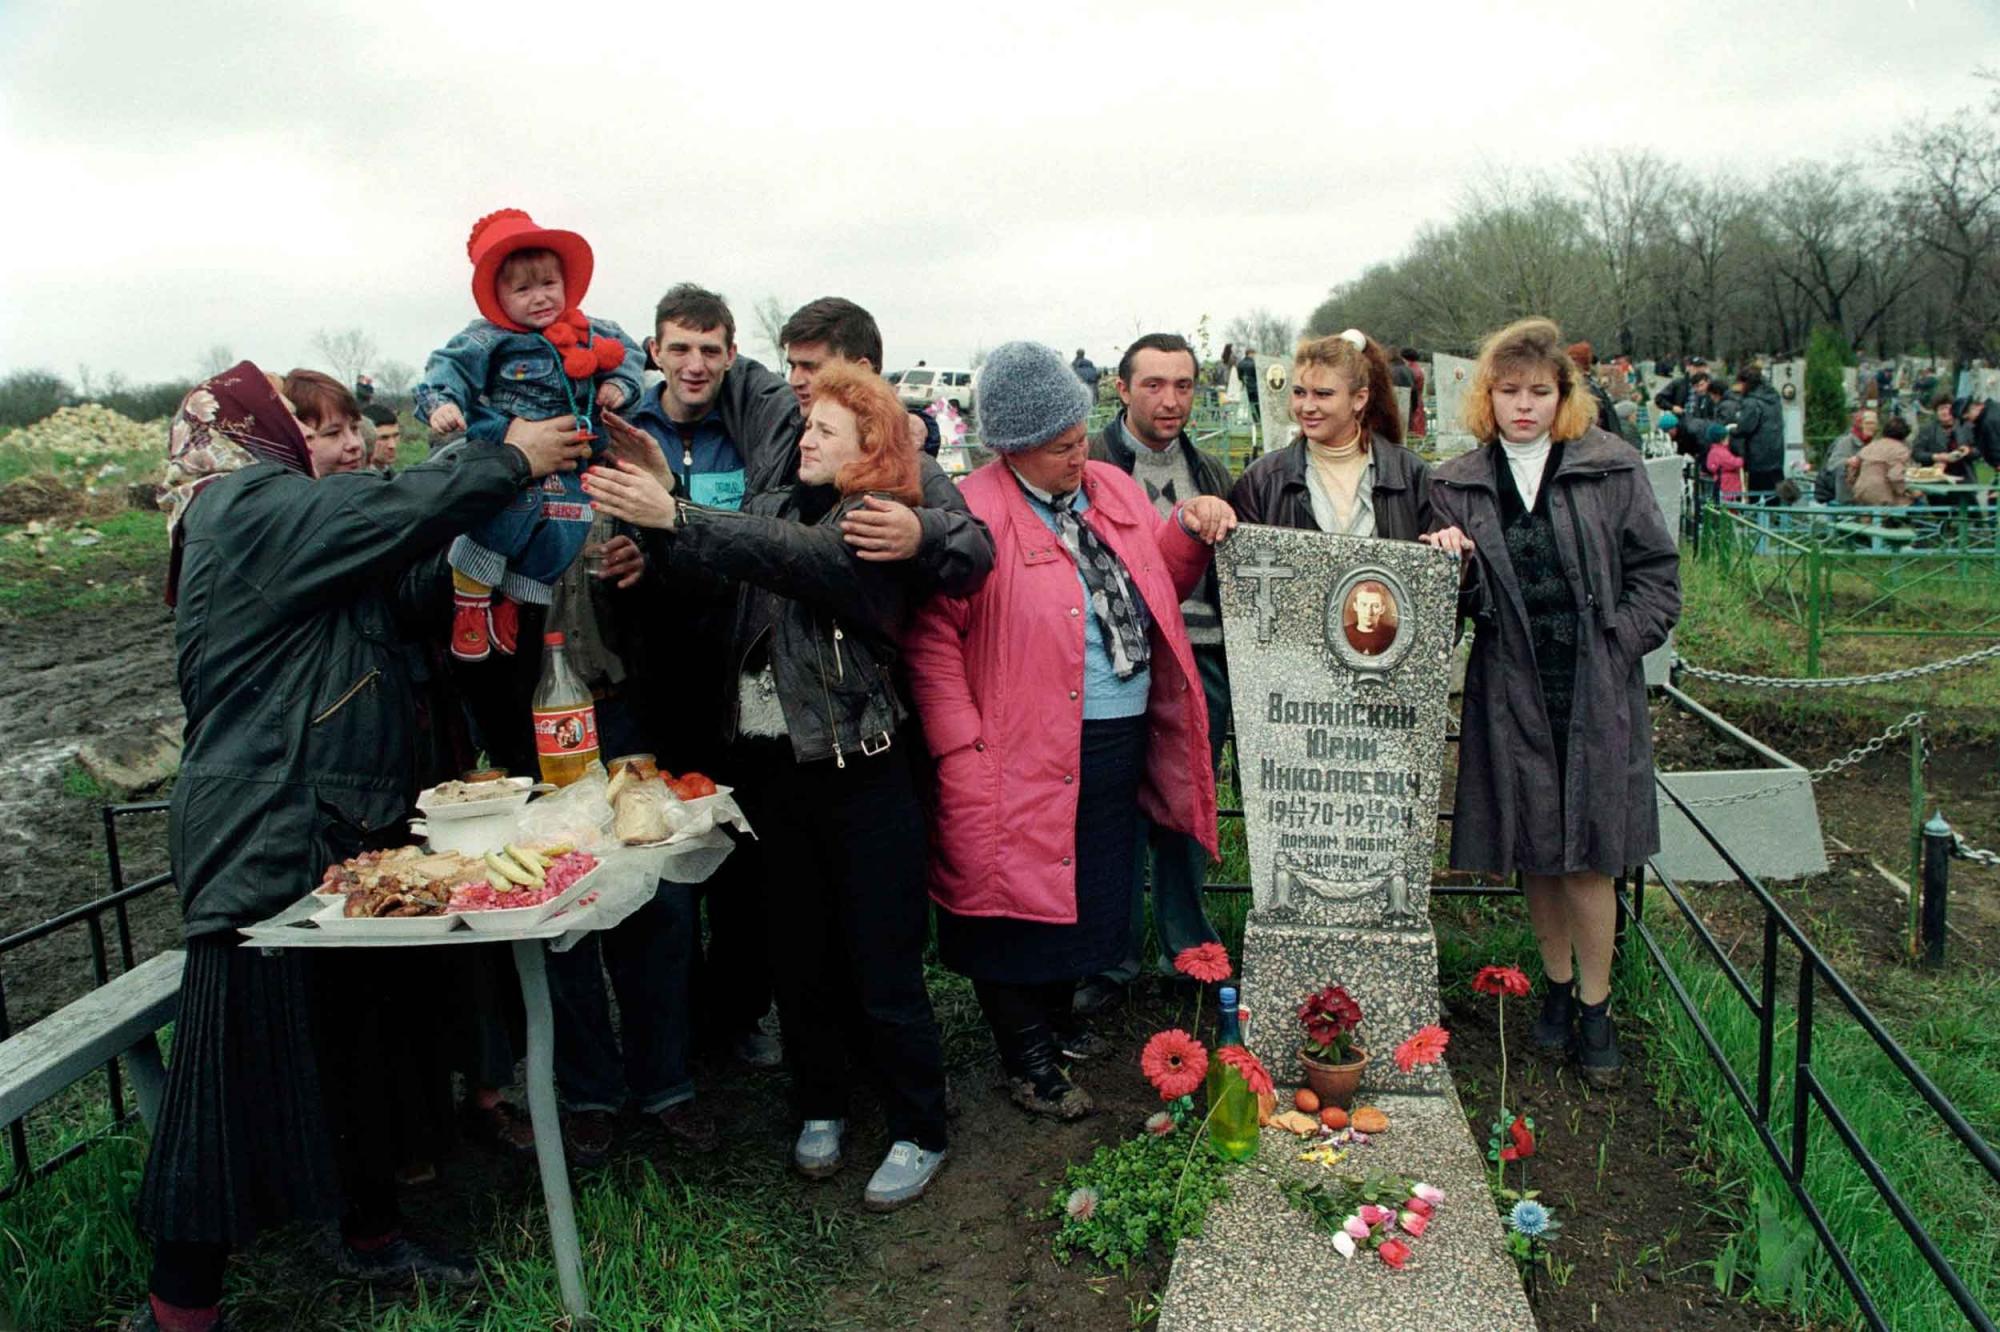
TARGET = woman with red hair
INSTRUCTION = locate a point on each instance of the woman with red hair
(818, 720)
(332, 418)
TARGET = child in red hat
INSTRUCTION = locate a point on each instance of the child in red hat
(534, 355)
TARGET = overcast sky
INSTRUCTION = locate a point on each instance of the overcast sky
(190, 173)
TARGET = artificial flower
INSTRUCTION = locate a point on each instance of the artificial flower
(1160, 1123)
(1430, 1193)
(1418, 1205)
(1205, 962)
(1356, 1227)
(1394, 1252)
(1412, 1224)
(1523, 1145)
(1082, 1204)
(1329, 1017)
(1247, 1064)
(1426, 1047)
(1175, 1062)
(1499, 981)
(1529, 1218)
(1372, 1216)
(1345, 1243)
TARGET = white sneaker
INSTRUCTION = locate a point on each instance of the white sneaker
(902, 1177)
(817, 1152)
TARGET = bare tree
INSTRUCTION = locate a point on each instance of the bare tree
(1264, 331)
(215, 360)
(770, 316)
(393, 379)
(350, 352)
(1624, 214)
(1951, 204)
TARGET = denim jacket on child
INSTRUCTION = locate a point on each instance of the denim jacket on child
(494, 375)
(490, 370)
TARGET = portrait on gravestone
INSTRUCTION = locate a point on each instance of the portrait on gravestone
(1368, 617)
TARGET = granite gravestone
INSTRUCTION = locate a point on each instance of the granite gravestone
(1339, 655)
(1274, 401)
(1451, 376)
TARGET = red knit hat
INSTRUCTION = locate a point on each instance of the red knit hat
(500, 234)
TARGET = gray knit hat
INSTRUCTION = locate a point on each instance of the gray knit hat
(1027, 395)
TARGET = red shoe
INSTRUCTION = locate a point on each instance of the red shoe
(505, 623)
(470, 637)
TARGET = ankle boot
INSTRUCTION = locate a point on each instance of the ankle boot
(1554, 1029)
(1040, 1087)
(1596, 1046)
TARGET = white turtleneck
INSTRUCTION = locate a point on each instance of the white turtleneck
(1526, 462)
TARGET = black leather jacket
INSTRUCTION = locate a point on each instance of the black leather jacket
(1272, 491)
(831, 621)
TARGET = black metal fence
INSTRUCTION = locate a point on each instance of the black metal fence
(1784, 943)
(91, 916)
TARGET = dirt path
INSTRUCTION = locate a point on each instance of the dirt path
(63, 679)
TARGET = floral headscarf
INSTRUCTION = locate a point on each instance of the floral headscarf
(232, 421)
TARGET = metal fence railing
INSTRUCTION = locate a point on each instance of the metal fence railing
(1783, 944)
(91, 916)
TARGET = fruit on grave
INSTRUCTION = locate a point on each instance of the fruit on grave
(1333, 1117)
(1304, 1099)
(1370, 1120)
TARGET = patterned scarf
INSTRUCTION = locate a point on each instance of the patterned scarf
(225, 424)
(1112, 598)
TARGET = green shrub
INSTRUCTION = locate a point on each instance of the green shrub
(1826, 393)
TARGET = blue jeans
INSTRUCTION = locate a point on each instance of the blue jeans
(1180, 863)
(649, 955)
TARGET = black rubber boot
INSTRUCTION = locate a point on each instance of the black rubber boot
(1556, 1027)
(1597, 1046)
(1041, 1088)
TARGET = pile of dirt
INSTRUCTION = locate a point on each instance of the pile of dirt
(40, 496)
(88, 430)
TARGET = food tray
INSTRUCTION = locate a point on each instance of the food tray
(497, 920)
(333, 919)
(473, 809)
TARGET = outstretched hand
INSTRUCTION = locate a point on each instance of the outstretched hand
(629, 493)
(628, 443)
(1209, 518)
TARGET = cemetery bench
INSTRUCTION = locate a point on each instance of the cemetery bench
(1876, 535)
(118, 1018)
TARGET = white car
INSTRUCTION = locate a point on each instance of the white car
(924, 385)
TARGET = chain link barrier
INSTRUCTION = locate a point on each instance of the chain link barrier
(1835, 681)
(1965, 850)
(1841, 764)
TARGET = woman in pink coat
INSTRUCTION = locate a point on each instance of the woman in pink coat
(1060, 700)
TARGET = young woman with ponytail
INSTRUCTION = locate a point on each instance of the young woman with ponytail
(1348, 472)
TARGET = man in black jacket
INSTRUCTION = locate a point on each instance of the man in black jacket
(1156, 383)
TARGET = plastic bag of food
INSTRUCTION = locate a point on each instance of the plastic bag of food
(577, 815)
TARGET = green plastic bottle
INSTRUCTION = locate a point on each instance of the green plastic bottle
(1232, 1106)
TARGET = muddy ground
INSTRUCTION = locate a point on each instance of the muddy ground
(976, 1255)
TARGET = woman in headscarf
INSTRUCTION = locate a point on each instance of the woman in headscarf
(1571, 578)
(1058, 699)
(1348, 472)
(297, 696)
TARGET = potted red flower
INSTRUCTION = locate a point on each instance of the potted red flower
(1331, 1052)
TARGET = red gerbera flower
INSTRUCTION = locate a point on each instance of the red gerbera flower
(1426, 1047)
(1246, 1063)
(1175, 1062)
(1502, 981)
(1205, 962)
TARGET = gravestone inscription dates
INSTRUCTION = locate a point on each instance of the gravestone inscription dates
(1339, 652)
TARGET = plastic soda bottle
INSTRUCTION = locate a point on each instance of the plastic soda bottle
(1232, 1106)
(565, 718)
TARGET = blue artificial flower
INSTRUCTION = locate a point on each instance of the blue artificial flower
(1530, 1218)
